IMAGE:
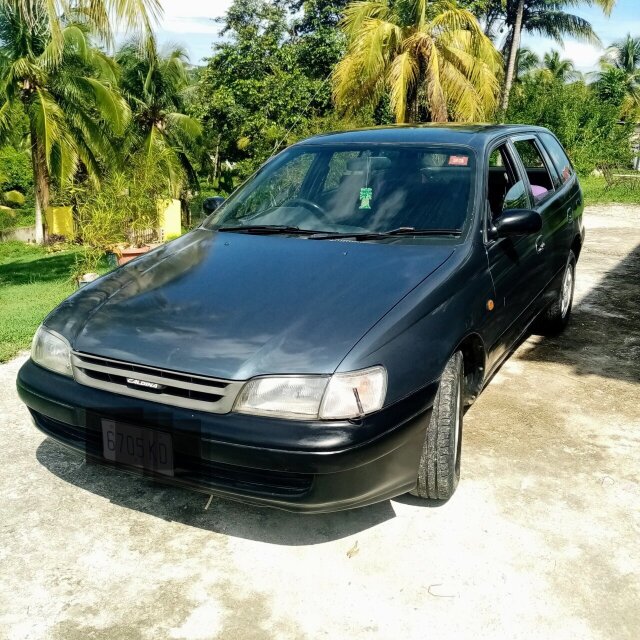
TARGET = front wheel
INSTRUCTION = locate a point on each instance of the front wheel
(553, 321)
(439, 468)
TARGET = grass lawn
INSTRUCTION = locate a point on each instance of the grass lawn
(32, 282)
(596, 192)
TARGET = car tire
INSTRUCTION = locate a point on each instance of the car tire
(439, 468)
(555, 318)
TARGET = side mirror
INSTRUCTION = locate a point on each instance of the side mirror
(209, 205)
(517, 222)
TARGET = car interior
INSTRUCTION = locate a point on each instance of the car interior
(502, 178)
(411, 193)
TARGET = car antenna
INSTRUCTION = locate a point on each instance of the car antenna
(300, 115)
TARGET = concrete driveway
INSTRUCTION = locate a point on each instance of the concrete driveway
(542, 539)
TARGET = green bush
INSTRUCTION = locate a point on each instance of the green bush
(588, 126)
(15, 170)
(14, 197)
(16, 184)
(7, 218)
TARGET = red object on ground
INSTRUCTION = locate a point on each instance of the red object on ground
(131, 253)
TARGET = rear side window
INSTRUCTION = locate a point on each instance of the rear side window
(540, 180)
(558, 157)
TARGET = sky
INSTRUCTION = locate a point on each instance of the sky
(191, 23)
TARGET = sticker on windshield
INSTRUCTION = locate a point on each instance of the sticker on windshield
(366, 195)
(458, 161)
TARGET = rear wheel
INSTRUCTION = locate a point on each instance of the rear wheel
(556, 317)
(439, 468)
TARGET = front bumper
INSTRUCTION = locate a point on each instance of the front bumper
(298, 466)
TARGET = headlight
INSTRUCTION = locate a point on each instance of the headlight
(51, 351)
(350, 395)
(341, 396)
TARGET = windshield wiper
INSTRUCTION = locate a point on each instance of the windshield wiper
(267, 229)
(372, 235)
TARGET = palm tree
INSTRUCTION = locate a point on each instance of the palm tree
(557, 68)
(526, 62)
(430, 57)
(621, 63)
(155, 84)
(67, 93)
(541, 17)
(104, 16)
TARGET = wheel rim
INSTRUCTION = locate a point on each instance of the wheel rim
(456, 431)
(567, 288)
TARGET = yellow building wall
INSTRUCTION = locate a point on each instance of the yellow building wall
(60, 221)
(170, 218)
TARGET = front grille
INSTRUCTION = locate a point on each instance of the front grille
(174, 387)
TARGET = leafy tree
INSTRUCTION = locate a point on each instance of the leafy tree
(67, 93)
(431, 59)
(155, 83)
(257, 92)
(319, 42)
(589, 127)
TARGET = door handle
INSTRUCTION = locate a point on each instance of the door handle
(540, 245)
(569, 214)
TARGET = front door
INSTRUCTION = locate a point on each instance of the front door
(517, 265)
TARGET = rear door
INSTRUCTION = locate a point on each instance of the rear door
(546, 199)
(569, 194)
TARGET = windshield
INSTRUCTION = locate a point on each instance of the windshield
(356, 189)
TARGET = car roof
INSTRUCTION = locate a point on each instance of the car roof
(474, 135)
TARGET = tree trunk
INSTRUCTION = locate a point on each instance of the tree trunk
(216, 160)
(40, 182)
(513, 55)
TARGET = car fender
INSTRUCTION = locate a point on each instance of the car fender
(417, 337)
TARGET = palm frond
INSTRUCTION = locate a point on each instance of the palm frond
(558, 24)
(402, 79)
(113, 109)
(357, 12)
(187, 128)
(48, 121)
(436, 98)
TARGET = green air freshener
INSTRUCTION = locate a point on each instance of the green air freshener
(366, 194)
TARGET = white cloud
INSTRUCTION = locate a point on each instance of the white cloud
(584, 56)
(192, 16)
(192, 24)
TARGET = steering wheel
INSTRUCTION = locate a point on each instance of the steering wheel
(310, 206)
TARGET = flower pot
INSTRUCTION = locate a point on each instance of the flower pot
(132, 252)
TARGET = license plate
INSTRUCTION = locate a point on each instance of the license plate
(137, 447)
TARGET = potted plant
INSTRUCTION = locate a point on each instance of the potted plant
(121, 217)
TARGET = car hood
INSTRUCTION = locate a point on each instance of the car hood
(234, 305)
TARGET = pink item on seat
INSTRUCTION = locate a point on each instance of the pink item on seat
(538, 191)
